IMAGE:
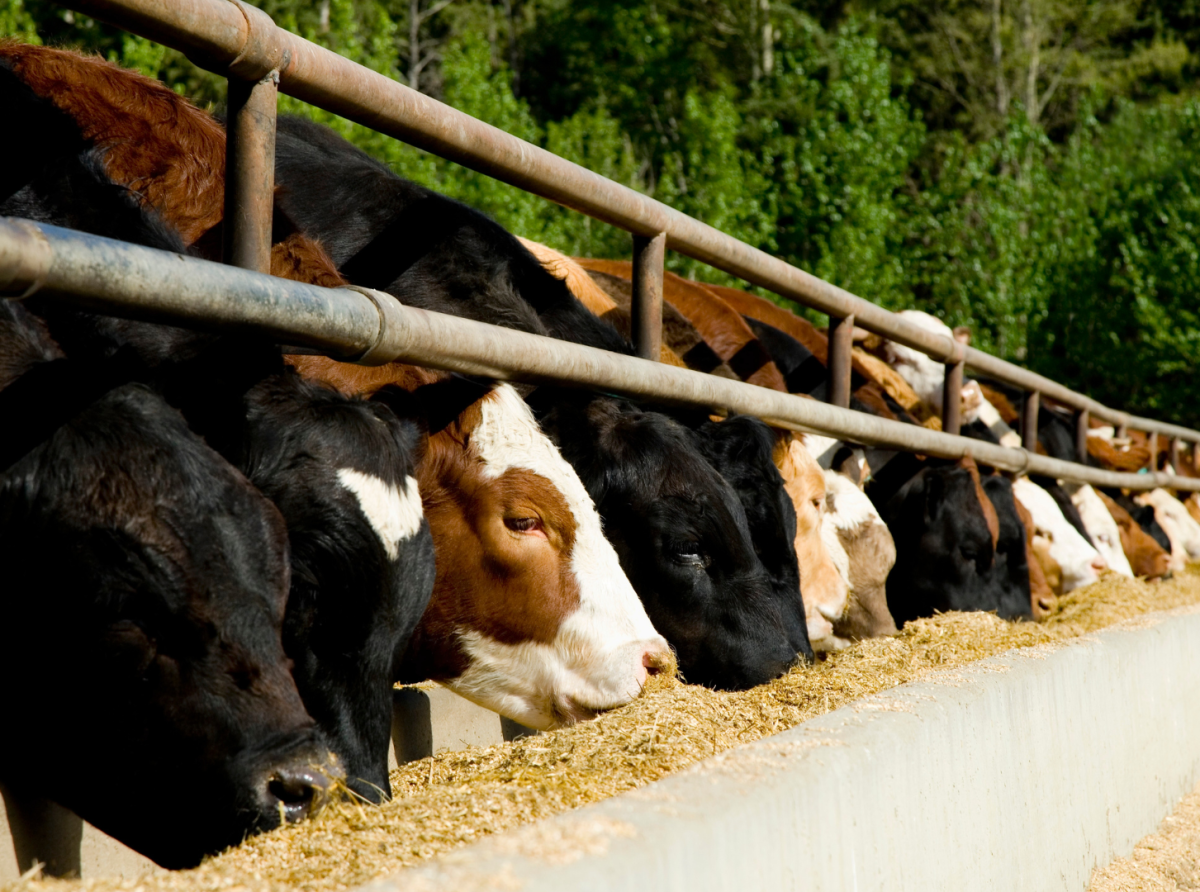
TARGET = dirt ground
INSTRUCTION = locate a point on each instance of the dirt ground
(1165, 861)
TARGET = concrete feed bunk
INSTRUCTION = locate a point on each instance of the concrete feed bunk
(1024, 771)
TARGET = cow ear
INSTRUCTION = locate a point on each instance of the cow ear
(411, 416)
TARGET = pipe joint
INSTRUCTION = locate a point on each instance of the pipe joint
(263, 53)
(390, 320)
(25, 258)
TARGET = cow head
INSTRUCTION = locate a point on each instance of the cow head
(743, 450)
(343, 473)
(824, 566)
(682, 536)
(1146, 557)
(1101, 527)
(1081, 563)
(149, 579)
(870, 556)
(947, 531)
(532, 615)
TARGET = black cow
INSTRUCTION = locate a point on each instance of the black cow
(682, 536)
(742, 447)
(430, 251)
(145, 583)
(945, 556)
(338, 468)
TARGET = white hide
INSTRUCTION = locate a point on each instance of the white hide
(1080, 562)
(595, 661)
(925, 375)
(1100, 526)
(1167, 507)
(395, 514)
(822, 448)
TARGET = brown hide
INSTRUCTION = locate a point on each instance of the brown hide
(510, 585)
(596, 299)
(1192, 503)
(1043, 569)
(1146, 557)
(820, 582)
(725, 332)
(989, 510)
(158, 144)
(677, 333)
(879, 377)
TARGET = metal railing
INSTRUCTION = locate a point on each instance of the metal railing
(238, 41)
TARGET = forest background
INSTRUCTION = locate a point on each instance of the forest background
(1030, 168)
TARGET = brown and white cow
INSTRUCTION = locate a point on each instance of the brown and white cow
(531, 614)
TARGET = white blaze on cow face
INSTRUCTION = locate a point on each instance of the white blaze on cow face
(599, 656)
(394, 512)
(1080, 562)
(1101, 527)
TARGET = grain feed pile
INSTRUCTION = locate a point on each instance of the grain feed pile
(456, 798)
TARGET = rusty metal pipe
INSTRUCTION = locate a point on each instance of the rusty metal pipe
(841, 344)
(646, 316)
(129, 280)
(250, 171)
(1082, 426)
(1176, 453)
(952, 398)
(1153, 466)
(228, 37)
(1029, 420)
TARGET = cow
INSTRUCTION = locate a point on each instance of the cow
(1081, 563)
(724, 331)
(149, 580)
(531, 613)
(870, 555)
(430, 251)
(1171, 513)
(332, 466)
(682, 537)
(1102, 528)
(1045, 575)
(822, 559)
(1147, 558)
(947, 532)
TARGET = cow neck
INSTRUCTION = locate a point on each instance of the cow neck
(407, 237)
(53, 393)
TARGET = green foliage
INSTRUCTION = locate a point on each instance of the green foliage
(1025, 167)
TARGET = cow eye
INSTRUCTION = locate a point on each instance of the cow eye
(687, 553)
(817, 503)
(522, 524)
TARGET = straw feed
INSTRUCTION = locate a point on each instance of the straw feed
(1166, 861)
(456, 798)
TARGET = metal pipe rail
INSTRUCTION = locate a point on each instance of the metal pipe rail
(232, 38)
(367, 326)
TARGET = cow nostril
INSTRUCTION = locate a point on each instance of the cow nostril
(297, 792)
(659, 661)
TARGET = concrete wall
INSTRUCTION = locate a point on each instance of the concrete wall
(1024, 771)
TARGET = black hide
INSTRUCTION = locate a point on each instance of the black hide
(683, 539)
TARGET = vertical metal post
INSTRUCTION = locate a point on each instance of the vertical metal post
(841, 340)
(1081, 436)
(1176, 453)
(250, 172)
(648, 256)
(952, 398)
(1029, 420)
(1153, 450)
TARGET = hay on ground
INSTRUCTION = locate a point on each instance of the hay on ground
(453, 799)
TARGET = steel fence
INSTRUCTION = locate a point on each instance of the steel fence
(242, 43)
